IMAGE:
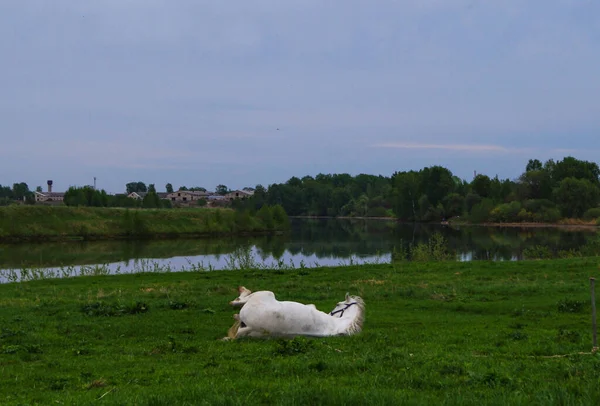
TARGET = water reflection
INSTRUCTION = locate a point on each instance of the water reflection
(310, 242)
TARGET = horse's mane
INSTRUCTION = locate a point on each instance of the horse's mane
(357, 323)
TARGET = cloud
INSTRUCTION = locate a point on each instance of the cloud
(450, 147)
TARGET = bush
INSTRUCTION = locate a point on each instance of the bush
(592, 214)
(538, 205)
(547, 215)
(377, 212)
(435, 249)
(265, 214)
(282, 221)
(507, 212)
(481, 211)
(537, 252)
(525, 216)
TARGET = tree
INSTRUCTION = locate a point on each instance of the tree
(436, 183)
(405, 195)
(6, 192)
(151, 188)
(169, 188)
(136, 187)
(38, 188)
(533, 165)
(571, 167)
(575, 196)
(222, 190)
(534, 184)
(482, 185)
(454, 204)
(151, 200)
(20, 190)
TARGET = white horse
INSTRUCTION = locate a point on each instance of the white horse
(263, 316)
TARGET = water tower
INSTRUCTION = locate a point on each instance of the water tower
(49, 186)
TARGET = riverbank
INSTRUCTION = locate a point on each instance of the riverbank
(41, 223)
(435, 333)
(563, 223)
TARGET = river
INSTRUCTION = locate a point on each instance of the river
(310, 243)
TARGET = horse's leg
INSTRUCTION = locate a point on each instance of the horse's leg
(233, 330)
(249, 332)
(242, 298)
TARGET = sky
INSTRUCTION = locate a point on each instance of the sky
(240, 93)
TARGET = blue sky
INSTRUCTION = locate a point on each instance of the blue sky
(201, 93)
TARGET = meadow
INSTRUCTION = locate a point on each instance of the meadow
(42, 223)
(444, 333)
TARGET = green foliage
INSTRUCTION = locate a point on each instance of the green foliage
(62, 222)
(571, 167)
(136, 187)
(480, 212)
(434, 250)
(575, 196)
(592, 214)
(151, 200)
(5, 201)
(482, 185)
(221, 190)
(281, 219)
(537, 252)
(266, 215)
(507, 212)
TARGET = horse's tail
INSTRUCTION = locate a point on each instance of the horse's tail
(232, 332)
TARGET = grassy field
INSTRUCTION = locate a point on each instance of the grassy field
(25, 223)
(435, 333)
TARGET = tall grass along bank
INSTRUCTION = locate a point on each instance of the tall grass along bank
(444, 333)
(24, 223)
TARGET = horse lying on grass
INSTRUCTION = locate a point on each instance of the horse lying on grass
(263, 316)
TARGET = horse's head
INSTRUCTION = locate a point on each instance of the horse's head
(349, 307)
(242, 298)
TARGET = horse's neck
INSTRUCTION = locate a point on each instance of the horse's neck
(345, 323)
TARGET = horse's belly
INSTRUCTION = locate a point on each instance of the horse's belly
(280, 322)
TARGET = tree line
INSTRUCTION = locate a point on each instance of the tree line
(88, 196)
(18, 191)
(544, 192)
(141, 187)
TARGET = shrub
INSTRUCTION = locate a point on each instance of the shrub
(507, 212)
(537, 252)
(592, 214)
(481, 211)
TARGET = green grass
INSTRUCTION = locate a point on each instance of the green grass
(442, 333)
(25, 223)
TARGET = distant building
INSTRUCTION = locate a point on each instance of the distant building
(49, 196)
(137, 195)
(187, 196)
(238, 194)
(141, 195)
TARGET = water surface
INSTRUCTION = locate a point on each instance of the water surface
(310, 243)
